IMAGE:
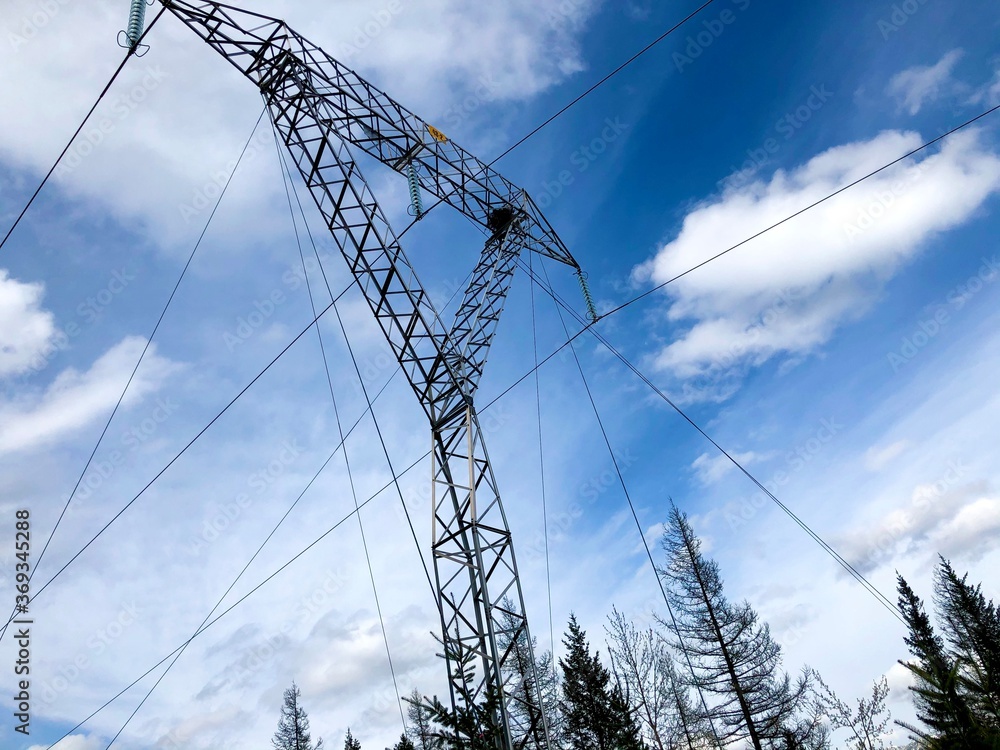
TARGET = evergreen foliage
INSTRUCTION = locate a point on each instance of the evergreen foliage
(596, 714)
(293, 726)
(474, 723)
(404, 743)
(953, 692)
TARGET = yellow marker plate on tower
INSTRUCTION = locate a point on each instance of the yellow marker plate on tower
(436, 134)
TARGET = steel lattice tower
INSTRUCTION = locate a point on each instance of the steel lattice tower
(321, 109)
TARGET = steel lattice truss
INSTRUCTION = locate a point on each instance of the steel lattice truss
(321, 108)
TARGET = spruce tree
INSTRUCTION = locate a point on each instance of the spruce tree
(475, 722)
(351, 742)
(293, 726)
(971, 626)
(404, 743)
(734, 657)
(940, 705)
(421, 728)
(596, 715)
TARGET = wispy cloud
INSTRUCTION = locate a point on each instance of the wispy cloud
(920, 84)
(878, 456)
(75, 399)
(956, 520)
(709, 469)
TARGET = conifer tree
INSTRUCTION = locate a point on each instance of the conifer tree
(971, 625)
(596, 714)
(939, 705)
(951, 693)
(351, 742)
(293, 726)
(404, 743)
(529, 682)
(734, 657)
(421, 728)
(475, 722)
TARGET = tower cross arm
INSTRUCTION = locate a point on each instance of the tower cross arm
(268, 51)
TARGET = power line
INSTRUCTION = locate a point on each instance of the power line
(179, 651)
(576, 100)
(184, 449)
(394, 481)
(86, 118)
(635, 516)
(256, 588)
(854, 573)
(541, 467)
(142, 356)
(803, 210)
(606, 78)
(286, 178)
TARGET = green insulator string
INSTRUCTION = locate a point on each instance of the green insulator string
(591, 310)
(136, 25)
(416, 202)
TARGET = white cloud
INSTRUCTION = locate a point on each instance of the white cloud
(73, 742)
(711, 468)
(789, 290)
(972, 532)
(878, 456)
(899, 679)
(922, 83)
(988, 94)
(75, 399)
(958, 521)
(25, 328)
(182, 114)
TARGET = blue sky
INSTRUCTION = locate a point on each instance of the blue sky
(848, 358)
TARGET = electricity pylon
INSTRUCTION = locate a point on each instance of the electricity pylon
(321, 109)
